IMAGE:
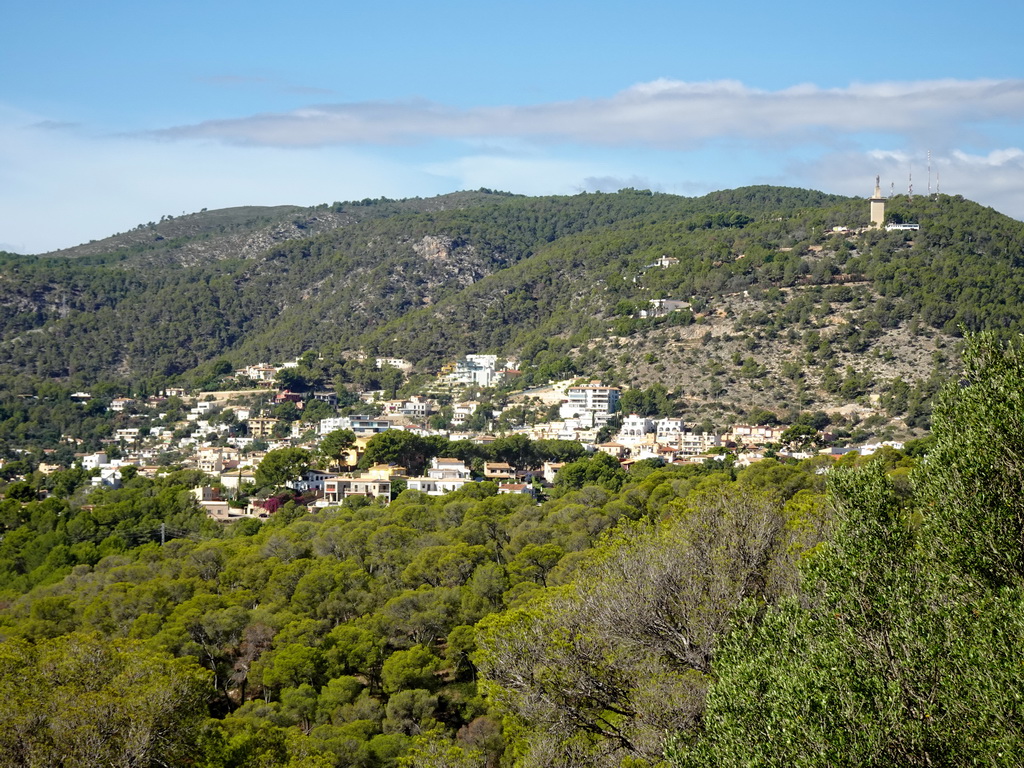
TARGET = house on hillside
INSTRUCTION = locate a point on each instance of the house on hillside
(748, 434)
(662, 307)
(312, 480)
(594, 399)
(520, 488)
(635, 428)
(437, 486)
(447, 468)
(261, 427)
(498, 470)
(615, 450)
(336, 489)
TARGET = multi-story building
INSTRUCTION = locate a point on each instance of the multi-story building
(361, 425)
(593, 398)
(434, 486)
(444, 468)
(261, 427)
(476, 370)
(635, 429)
(683, 437)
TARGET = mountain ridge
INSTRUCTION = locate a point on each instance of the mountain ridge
(779, 281)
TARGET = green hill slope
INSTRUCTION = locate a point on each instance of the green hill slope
(765, 274)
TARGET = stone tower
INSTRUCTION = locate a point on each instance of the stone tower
(877, 206)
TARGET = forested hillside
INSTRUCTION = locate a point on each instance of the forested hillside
(146, 313)
(775, 295)
(853, 611)
(699, 615)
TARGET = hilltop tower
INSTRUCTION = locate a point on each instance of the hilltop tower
(877, 206)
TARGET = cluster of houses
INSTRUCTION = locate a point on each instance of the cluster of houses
(214, 448)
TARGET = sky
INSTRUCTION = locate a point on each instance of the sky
(113, 114)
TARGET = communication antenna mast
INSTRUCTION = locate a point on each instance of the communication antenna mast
(910, 186)
(929, 173)
(892, 189)
(937, 183)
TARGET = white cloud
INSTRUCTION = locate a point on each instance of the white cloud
(661, 113)
(528, 175)
(994, 179)
(615, 183)
(994, 159)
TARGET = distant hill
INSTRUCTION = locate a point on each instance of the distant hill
(561, 280)
(247, 231)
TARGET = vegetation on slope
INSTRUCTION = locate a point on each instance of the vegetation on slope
(757, 618)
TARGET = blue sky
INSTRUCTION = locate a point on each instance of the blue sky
(114, 113)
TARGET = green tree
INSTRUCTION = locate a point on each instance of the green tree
(336, 445)
(904, 647)
(400, 447)
(221, 367)
(282, 465)
(601, 667)
(414, 668)
(82, 700)
(291, 379)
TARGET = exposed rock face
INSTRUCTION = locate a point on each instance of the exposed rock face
(434, 248)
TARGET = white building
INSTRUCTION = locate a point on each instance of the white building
(635, 429)
(361, 425)
(445, 468)
(595, 399)
(683, 437)
(94, 460)
(476, 370)
(436, 486)
(661, 307)
(312, 480)
(259, 372)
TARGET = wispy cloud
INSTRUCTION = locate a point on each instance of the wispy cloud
(56, 125)
(666, 114)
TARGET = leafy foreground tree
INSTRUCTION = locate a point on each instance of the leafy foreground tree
(596, 672)
(904, 648)
(80, 700)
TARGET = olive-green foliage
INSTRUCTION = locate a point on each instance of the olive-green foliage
(281, 466)
(334, 637)
(601, 668)
(904, 647)
(85, 700)
(45, 540)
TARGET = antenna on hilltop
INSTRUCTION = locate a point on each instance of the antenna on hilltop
(937, 183)
(929, 173)
(892, 189)
(910, 187)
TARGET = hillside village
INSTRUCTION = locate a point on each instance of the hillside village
(466, 406)
(227, 435)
